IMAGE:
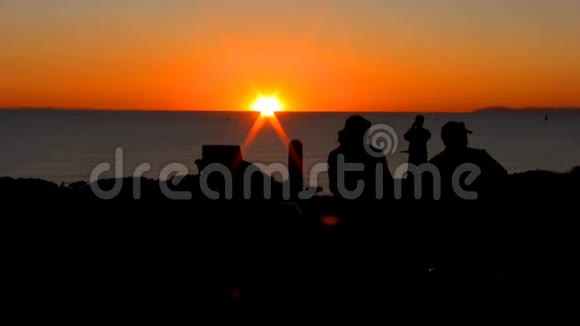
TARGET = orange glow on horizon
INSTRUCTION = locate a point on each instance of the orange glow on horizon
(267, 105)
(323, 55)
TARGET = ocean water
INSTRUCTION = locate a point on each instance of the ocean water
(65, 146)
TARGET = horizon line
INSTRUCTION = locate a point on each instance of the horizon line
(490, 108)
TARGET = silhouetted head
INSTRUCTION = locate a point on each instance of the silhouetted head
(419, 120)
(354, 130)
(454, 135)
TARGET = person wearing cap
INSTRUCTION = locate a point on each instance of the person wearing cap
(457, 153)
(418, 137)
(352, 150)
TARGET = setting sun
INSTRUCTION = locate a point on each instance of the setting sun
(267, 105)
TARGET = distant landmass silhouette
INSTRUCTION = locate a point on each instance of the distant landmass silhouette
(500, 109)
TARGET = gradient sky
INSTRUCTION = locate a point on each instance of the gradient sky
(404, 55)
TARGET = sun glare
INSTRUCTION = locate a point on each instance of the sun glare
(267, 105)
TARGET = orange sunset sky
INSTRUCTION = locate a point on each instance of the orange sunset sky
(391, 55)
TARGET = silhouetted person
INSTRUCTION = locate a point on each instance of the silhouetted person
(230, 176)
(418, 137)
(456, 155)
(373, 167)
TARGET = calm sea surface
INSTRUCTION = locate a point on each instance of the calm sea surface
(65, 146)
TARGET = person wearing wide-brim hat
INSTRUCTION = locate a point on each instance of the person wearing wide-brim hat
(458, 159)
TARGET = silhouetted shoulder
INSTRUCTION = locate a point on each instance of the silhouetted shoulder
(484, 160)
(438, 159)
(477, 152)
(333, 156)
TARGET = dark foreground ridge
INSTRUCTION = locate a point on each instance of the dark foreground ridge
(67, 228)
(318, 250)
